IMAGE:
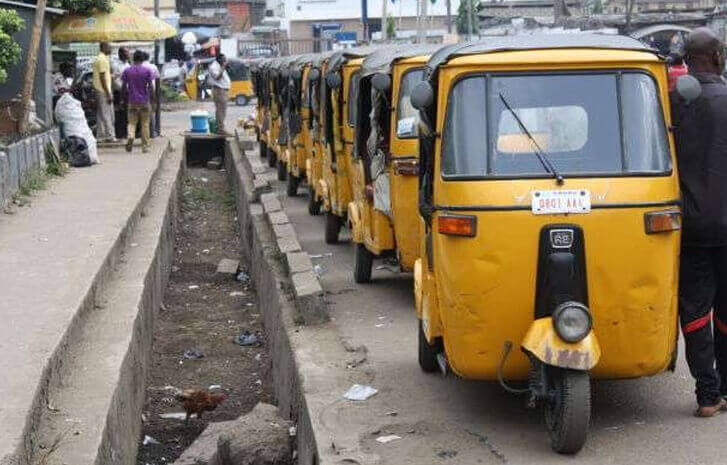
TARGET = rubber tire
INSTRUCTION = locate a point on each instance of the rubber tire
(333, 227)
(427, 353)
(272, 158)
(282, 171)
(292, 187)
(263, 149)
(363, 262)
(241, 100)
(567, 417)
(314, 206)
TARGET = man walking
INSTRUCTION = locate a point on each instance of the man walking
(137, 85)
(220, 82)
(104, 98)
(118, 69)
(702, 154)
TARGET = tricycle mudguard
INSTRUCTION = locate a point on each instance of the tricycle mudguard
(543, 342)
(354, 217)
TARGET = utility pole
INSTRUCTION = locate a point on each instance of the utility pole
(449, 16)
(158, 83)
(384, 20)
(469, 19)
(29, 78)
(421, 21)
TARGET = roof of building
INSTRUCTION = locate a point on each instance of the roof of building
(32, 6)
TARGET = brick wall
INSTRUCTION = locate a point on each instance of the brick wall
(239, 16)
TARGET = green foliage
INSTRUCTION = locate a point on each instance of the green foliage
(10, 23)
(390, 27)
(81, 6)
(462, 19)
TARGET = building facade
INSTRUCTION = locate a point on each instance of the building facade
(662, 6)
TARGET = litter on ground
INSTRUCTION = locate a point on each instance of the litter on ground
(359, 392)
(387, 439)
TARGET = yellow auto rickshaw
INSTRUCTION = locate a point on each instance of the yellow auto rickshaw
(259, 91)
(321, 128)
(241, 88)
(299, 140)
(277, 139)
(335, 183)
(383, 213)
(551, 218)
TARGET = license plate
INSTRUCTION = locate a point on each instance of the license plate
(561, 201)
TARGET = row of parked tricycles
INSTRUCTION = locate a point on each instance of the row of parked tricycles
(527, 182)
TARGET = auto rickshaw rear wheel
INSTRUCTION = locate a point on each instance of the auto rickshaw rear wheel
(292, 186)
(241, 100)
(263, 149)
(363, 261)
(427, 353)
(333, 227)
(282, 171)
(568, 409)
(272, 158)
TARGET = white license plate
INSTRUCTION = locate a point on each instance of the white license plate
(561, 201)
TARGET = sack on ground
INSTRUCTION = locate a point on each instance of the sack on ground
(69, 113)
(76, 150)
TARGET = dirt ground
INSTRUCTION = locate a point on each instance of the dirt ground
(203, 311)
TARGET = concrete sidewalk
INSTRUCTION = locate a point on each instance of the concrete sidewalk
(53, 254)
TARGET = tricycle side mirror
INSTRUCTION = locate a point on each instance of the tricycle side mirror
(688, 88)
(422, 96)
(333, 80)
(314, 75)
(381, 82)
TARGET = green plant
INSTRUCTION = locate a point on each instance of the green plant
(463, 16)
(54, 166)
(390, 27)
(82, 6)
(10, 23)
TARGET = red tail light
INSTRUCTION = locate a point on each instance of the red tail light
(663, 221)
(457, 225)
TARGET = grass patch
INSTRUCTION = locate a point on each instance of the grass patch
(197, 192)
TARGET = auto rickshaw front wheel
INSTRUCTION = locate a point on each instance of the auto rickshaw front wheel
(363, 261)
(263, 149)
(282, 171)
(292, 186)
(568, 409)
(272, 158)
(241, 100)
(314, 205)
(333, 227)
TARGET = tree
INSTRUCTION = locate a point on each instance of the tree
(81, 6)
(462, 16)
(390, 27)
(10, 23)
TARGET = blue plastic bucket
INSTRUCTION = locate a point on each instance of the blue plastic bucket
(199, 121)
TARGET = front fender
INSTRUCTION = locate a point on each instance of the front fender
(543, 342)
(354, 217)
(323, 193)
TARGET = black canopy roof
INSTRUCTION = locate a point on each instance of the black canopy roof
(535, 42)
(341, 57)
(381, 59)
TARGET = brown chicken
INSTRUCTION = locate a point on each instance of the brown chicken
(199, 401)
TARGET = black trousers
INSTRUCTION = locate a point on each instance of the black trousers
(703, 316)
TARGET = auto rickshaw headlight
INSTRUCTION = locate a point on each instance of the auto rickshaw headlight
(572, 321)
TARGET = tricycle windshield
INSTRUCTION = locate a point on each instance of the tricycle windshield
(586, 124)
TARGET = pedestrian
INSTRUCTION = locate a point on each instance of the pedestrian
(118, 69)
(702, 155)
(220, 82)
(155, 75)
(137, 86)
(104, 98)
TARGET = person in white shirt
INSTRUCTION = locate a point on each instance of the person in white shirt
(220, 82)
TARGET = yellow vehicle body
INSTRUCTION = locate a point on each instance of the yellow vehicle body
(300, 146)
(335, 181)
(371, 227)
(241, 87)
(475, 294)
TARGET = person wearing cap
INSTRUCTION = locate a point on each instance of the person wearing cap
(220, 82)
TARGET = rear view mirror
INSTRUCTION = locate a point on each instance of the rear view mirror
(422, 95)
(381, 82)
(688, 88)
(333, 80)
(314, 75)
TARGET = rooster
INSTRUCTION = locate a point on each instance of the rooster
(198, 401)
